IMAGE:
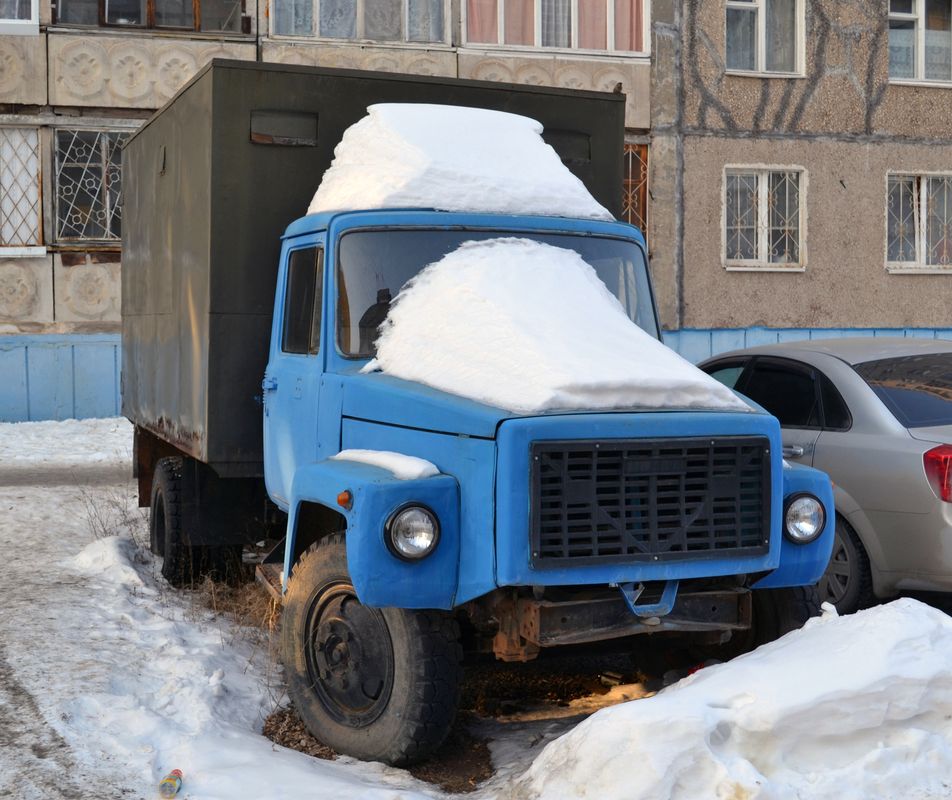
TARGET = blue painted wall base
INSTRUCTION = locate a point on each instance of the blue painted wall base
(697, 344)
(55, 376)
(51, 376)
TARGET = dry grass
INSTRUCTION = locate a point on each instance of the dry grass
(113, 511)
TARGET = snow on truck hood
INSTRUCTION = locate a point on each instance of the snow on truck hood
(450, 158)
(529, 327)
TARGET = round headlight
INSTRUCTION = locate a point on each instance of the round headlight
(804, 518)
(412, 532)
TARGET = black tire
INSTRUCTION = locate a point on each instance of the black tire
(182, 565)
(775, 612)
(847, 582)
(377, 684)
(165, 507)
(779, 611)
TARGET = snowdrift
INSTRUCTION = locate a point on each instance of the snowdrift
(849, 707)
(450, 158)
(529, 327)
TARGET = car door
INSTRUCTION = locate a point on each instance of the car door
(790, 391)
(293, 378)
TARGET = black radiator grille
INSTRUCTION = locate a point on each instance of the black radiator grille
(649, 499)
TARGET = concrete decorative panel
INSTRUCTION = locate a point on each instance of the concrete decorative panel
(26, 290)
(23, 69)
(86, 292)
(410, 60)
(601, 75)
(123, 72)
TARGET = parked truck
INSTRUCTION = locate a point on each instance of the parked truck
(245, 333)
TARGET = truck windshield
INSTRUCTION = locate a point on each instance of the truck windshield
(372, 266)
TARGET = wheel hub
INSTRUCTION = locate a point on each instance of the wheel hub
(349, 656)
(837, 576)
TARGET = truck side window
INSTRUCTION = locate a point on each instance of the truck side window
(302, 302)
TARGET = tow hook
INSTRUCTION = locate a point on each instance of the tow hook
(649, 612)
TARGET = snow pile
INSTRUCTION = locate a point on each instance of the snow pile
(78, 441)
(852, 707)
(165, 684)
(529, 327)
(111, 559)
(450, 158)
(404, 468)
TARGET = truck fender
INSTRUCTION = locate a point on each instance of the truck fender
(803, 564)
(380, 578)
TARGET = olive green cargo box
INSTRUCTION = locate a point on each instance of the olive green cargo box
(211, 182)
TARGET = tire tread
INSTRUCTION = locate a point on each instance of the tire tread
(436, 658)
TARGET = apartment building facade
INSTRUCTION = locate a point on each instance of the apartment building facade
(790, 160)
(809, 182)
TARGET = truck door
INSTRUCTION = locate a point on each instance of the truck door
(293, 377)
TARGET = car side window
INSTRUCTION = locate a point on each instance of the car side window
(727, 373)
(787, 392)
(302, 302)
(836, 416)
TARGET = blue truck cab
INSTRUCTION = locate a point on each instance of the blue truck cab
(552, 529)
(247, 370)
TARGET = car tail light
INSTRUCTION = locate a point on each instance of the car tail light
(938, 464)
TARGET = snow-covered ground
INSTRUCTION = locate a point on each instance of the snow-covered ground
(109, 679)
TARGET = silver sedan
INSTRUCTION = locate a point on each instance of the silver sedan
(876, 415)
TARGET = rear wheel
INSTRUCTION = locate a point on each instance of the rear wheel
(179, 561)
(380, 684)
(183, 564)
(847, 582)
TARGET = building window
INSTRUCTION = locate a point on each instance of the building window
(919, 222)
(217, 16)
(596, 25)
(88, 185)
(20, 208)
(373, 20)
(920, 40)
(19, 17)
(763, 218)
(765, 36)
(634, 206)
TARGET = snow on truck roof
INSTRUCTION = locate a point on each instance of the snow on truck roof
(450, 158)
(530, 327)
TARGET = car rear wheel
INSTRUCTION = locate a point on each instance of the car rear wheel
(847, 582)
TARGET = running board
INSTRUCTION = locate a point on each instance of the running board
(269, 576)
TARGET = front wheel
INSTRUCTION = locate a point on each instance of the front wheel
(380, 684)
(775, 612)
(779, 611)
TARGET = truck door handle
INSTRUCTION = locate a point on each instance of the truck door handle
(269, 384)
(792, 451)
